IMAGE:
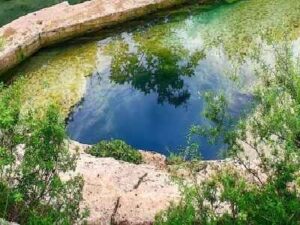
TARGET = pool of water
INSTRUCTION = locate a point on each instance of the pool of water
(148, 85)
(144, 83)
(150, 97)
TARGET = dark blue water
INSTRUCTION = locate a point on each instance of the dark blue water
(151, 97)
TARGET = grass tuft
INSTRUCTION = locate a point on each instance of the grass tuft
(116, 149)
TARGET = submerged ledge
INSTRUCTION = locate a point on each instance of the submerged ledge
(26, 35)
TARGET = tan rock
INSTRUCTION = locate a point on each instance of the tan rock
(155, 159)
(121, 193)
(124, 193)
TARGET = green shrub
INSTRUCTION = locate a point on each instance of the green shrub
(116, 149)
(247, 204)
(175, 159)
(31, 189)
(182, 214)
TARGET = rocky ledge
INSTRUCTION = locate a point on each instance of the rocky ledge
(118, 192)
(26, 35)
(121, 193)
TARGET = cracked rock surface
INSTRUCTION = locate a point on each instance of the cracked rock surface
(117, 192)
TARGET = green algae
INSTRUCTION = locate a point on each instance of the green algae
(187, 35)
(234, 30)
(239, 27)
(54, 77)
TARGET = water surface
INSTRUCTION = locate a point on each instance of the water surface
(144, 83)
(151, 97)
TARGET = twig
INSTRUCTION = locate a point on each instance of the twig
(140, 181)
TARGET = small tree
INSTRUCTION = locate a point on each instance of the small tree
(32, 191)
